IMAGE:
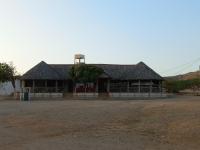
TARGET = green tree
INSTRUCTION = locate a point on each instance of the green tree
(83, 73)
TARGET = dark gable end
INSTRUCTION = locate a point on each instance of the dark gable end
(120, 72)
(41, 71)
(144, 72)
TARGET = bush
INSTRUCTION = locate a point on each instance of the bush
(177, 85)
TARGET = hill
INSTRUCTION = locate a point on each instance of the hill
(187, 76)
(185, 83)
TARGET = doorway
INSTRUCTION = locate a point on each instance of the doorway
(102, 85)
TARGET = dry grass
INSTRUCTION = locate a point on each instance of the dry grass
(152, 124)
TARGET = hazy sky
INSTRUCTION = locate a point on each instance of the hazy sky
(162, 33)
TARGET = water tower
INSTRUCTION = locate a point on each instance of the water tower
(79, 59)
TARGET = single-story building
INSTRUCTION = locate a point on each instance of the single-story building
(117, 81)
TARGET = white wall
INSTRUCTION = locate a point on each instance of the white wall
(7, 88)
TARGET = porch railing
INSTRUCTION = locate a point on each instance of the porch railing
(47, 90)
(136, 90)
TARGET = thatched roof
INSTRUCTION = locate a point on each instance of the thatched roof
(121, 72)
(42, 71)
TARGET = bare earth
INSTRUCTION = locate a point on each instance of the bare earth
(165, 124)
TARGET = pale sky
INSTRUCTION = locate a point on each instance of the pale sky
(162, 33)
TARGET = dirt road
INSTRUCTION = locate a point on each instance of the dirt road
(166, 124)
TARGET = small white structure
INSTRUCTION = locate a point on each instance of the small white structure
(79, 58)
(6, 88)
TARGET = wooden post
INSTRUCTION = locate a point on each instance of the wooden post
(108, 86)
(160, 86)
(56, 86)
(85, 86)
(150, 88)
(23, 86)
(33, 87)
(46, 86)
(128, 86)
(74, 88)
(97, 86)
(139, 90)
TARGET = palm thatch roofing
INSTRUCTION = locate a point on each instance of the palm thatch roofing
(44, 71)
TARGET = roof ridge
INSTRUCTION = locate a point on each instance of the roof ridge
(60, 64)
(98, 64)
(109, 64)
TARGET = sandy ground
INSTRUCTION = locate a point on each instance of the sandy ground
(166, 124)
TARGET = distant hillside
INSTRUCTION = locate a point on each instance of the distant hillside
(187, 76)
(188, 83)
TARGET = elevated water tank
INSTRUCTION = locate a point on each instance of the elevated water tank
(79, 58)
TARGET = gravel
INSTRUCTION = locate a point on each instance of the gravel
(161, 124)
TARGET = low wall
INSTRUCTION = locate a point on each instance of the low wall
(33, 96)
(86, 94)
(130, 95)
(42, 95)
(122, 95)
